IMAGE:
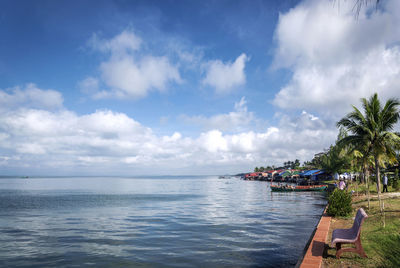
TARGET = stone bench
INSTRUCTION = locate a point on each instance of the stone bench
(350, 236)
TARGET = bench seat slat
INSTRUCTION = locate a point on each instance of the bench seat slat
(343, 236)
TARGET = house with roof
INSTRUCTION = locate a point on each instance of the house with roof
(314, 175)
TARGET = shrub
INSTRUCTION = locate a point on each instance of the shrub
(339, 203)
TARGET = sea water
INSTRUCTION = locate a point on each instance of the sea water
(170, 221)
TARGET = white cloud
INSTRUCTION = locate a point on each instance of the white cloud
(131, 78)
(128, 72)
(89, 85)
(226, 76)
(131, 70)
(213, 141)
(30, 96)
(30, 148)
(299, 137)
(38, 141)
(124, 42)
(238, 120)
(336, 59)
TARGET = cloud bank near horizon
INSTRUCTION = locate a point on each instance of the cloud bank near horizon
(106, 142)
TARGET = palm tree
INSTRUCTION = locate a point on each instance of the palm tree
(358, 5)
(296, 163)
(364, 160)
(372, 132)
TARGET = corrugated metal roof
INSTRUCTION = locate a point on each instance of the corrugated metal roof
(310, 172)
(319, 172)
(285, 173)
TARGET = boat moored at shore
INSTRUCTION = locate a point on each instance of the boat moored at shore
(307, 188)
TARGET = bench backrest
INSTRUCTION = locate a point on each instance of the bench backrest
(360, 216)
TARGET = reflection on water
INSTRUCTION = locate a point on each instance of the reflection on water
(152, 222)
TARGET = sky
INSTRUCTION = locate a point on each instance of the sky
(185, 87)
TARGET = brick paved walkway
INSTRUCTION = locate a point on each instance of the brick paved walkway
(313, 257)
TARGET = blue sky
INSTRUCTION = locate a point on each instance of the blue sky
(184, 87)
(47, 42)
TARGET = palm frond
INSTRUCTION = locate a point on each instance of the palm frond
(390, 114)
(370, 131)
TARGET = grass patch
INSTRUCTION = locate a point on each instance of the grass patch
(381, 244)
(362, 188)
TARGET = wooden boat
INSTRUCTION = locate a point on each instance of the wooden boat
(317, 188)
(289, 188)
(285, 188)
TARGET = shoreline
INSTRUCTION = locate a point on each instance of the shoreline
(314, 248)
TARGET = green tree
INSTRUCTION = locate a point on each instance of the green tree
(396, 180)
(338, 158)
(335, 160)
(372, 131)
(296, 163)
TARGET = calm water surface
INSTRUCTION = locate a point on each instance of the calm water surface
(152, 222)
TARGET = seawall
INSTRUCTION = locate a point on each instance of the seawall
(314, 249)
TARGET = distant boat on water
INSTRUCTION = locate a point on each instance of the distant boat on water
(308, 188)
(224, 177)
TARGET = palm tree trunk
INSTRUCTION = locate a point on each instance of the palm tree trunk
(366, 172)
(369, 199)
(362, 177)
(378, 188)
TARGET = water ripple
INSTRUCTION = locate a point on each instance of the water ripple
(152, 222)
